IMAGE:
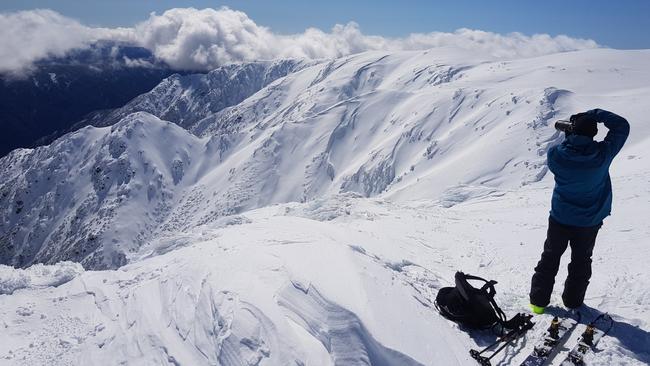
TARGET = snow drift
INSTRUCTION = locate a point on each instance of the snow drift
(37, 276)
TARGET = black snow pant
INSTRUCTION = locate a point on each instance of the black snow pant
(582, 240)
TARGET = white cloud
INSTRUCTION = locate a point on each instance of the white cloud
(195, 39)
(203, 39)
(512, 45)
(31, 35)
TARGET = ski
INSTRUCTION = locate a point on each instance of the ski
(596, 330)
(554, 337)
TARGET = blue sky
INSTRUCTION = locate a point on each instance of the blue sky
(618, 24)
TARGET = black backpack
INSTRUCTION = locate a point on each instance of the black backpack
(469, 306)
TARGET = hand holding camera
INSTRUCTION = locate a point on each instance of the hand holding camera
(579, 124)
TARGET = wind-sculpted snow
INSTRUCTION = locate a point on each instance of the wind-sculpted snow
(462, 193)
(345, 280)
(341, 332)
(37, 276)
(444, 125)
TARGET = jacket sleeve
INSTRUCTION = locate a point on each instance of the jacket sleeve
(618, 127)
(550, 159)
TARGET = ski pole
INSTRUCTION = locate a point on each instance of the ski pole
(485, 361)
(509, 334)
(509, 337)
(499, 340)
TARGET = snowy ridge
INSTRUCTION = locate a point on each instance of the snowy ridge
(314, 222)
(185, 99)
(73, 200)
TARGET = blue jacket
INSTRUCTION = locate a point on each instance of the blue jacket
(583, 189)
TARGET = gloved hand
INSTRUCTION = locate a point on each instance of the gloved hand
(584, 124)
(577, 116)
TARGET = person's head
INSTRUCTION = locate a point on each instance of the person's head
(584, 124)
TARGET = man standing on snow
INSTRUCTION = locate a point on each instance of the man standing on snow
(582, 198)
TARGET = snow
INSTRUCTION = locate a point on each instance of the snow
(36, 276)
(315, 221)
(186, 99)
(342, 288)
(397, 125)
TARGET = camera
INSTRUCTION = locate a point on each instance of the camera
(564, 126)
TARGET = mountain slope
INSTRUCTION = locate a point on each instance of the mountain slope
(63, 200)
(185, 99)
(37, 108)
(443, 124)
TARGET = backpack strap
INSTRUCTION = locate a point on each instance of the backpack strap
(472, 277)
(489, 289)
(500, 314)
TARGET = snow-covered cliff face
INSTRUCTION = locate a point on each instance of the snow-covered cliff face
(185, 99)
(441, 124)
(92, 195)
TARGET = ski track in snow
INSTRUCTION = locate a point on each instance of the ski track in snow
(314, 222)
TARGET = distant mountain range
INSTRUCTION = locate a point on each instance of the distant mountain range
(187, 99)
(100, 85)
(42, 105)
